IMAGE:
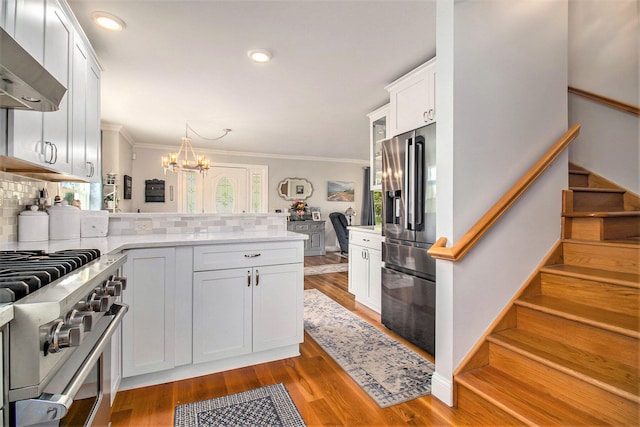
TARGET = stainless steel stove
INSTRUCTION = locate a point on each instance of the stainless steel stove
(65, 310)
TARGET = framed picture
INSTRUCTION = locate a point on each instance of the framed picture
(299, 189)
(127, 187)
(340, 191)
(315, 215)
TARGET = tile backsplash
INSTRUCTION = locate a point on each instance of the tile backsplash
(170, 223)
(16, 193)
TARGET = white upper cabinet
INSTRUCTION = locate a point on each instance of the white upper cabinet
(67, 140)
(29, 27)
(378, 131)
(43, 138)
(412, 99)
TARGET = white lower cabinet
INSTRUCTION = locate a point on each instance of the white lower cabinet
(195, 310)
(245, 310)
(148, 327)
(365, 263)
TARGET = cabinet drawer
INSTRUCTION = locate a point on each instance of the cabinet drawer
(367, 240)
(298, 227)
(317, 226)
(219, 257)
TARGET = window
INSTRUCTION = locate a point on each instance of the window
(224, 196)
(225, 189)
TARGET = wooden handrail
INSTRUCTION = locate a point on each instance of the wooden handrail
(466, 242)
(610, 102)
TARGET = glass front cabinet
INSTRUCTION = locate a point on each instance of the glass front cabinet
(378, 121)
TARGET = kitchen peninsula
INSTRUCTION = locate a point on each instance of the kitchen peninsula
(206, 292)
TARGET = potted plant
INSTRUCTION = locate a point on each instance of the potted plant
(110, 200)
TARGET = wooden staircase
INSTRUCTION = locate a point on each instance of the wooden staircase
(567, 351)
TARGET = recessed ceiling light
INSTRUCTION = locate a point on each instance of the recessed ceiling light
(259, 55)
(108, 21)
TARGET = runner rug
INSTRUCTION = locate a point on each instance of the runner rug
(387, 370)
(326, 268)
(264, 406)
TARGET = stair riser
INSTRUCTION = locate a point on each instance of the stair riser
(605, 296)
(612, 346)
(475, 404)
(602, 228)
(613, 258)
(597, 202)
(603, 404)
(578, 180)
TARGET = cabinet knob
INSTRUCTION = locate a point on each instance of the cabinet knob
(257, 277)
(248, 278)
(425, 116)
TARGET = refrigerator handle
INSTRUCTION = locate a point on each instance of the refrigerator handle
(409, 166)
(419, 184)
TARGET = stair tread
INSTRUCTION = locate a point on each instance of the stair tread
(615, 377)
(578, 172)
(598, 190)
(622, 243)
(621, 323)
(630, 280)
(613, 214)
(527, 404)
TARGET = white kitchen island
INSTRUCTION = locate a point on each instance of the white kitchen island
(203, 302)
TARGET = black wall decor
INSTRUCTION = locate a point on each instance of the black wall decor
(154, 190)
(127, 187)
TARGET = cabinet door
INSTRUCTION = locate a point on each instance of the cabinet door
(148, 328)
(222, 301)
(410, 105)
(92, 141)
(277, 306)
(358, 271)
(78, 95)
(375, 279)
(29, 27)
(57, 60)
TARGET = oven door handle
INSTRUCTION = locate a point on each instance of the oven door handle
(50, 407)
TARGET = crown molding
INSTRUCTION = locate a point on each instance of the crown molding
(120, 129)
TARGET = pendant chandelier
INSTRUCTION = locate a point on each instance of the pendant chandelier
(186, 160)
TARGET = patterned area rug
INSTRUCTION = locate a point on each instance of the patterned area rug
(326, 268)
(388, 371)
(264, 406)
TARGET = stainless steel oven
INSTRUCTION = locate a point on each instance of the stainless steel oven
(60, 336)
(78, 395)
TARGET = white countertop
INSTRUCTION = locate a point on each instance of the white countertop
(6, 314)
(114, 244)
(365, 229)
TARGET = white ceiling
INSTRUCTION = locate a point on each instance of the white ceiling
(186, 61)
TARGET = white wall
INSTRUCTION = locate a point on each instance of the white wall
(502, 102)
(317, 171)
(116, 157)
(603, 58)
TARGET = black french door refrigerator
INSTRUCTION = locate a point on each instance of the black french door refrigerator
(408, 274)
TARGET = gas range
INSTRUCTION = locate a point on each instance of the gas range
(65, 307)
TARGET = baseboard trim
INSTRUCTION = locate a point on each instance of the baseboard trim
(441, 389)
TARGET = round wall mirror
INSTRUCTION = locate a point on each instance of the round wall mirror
(295, 189)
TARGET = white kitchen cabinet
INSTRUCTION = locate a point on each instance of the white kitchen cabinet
(412, 99)
(29, 27)
(365, 263)
(148, 328)
(67, 140)
(260, 308)
(255, 307)
(43, 138)
(378, 132)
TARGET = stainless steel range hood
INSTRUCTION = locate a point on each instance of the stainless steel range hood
(24, 83)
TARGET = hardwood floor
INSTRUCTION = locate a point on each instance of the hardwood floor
(324, 394)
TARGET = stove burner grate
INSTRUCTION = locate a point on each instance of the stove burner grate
(24, 272)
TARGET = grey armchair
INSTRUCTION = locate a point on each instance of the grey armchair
(339, 221)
